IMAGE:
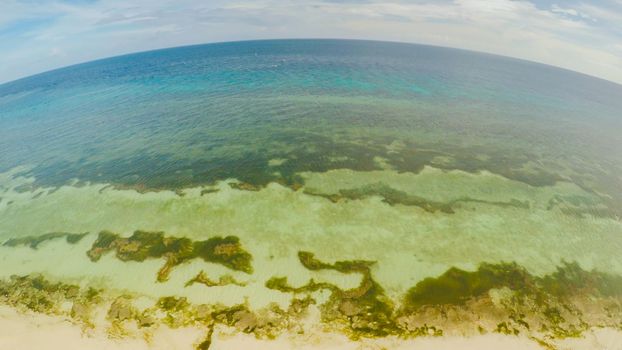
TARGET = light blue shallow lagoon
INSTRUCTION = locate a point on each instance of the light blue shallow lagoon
(312, 194)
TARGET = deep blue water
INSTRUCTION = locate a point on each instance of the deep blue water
(197, 114)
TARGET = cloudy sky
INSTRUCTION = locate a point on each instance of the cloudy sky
(582, 35)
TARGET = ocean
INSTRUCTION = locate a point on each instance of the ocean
(383, 193)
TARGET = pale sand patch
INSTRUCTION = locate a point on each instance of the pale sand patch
(603, 338)
(276, 161)
(336, 342)
(382, 163)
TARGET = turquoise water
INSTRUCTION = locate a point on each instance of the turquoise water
(134, 119)
(440, 178)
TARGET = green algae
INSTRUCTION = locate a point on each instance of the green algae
(554, 305)
(390, 196)
(38, 294)
(456, 286)
(426, 330)
(308, 260)
(172, 303)
(365, 309)
(570, 278)
(143, 245)
(34, 241)
(393, 197)
(224, 280)
(540, 307)
(281, 284)
(178, 312)
(229, 315)
(267, 323)
(207, 342)
(209, 190)
(244, 186)
(505, 328)
(533, 301)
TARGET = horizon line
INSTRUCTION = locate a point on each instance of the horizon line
(2, 84)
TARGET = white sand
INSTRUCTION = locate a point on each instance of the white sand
(35, 331)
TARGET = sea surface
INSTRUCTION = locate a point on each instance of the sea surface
(284, 187)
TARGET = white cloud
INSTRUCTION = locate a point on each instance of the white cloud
(582, 37)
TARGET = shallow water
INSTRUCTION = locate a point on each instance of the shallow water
(402, 190)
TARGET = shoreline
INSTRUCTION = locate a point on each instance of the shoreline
(32, 331)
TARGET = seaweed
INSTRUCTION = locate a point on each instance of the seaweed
(394, 197)
(457, 286)
(38, 294)
(224, 280)
(207, 342)
(531, 305)
(209, 190)
(34, 241)
(173, 304)
(366, 309)
(570, 278)
(548, 300)
(142, 245)
(281, 284)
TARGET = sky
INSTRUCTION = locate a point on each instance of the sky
(581, 35)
